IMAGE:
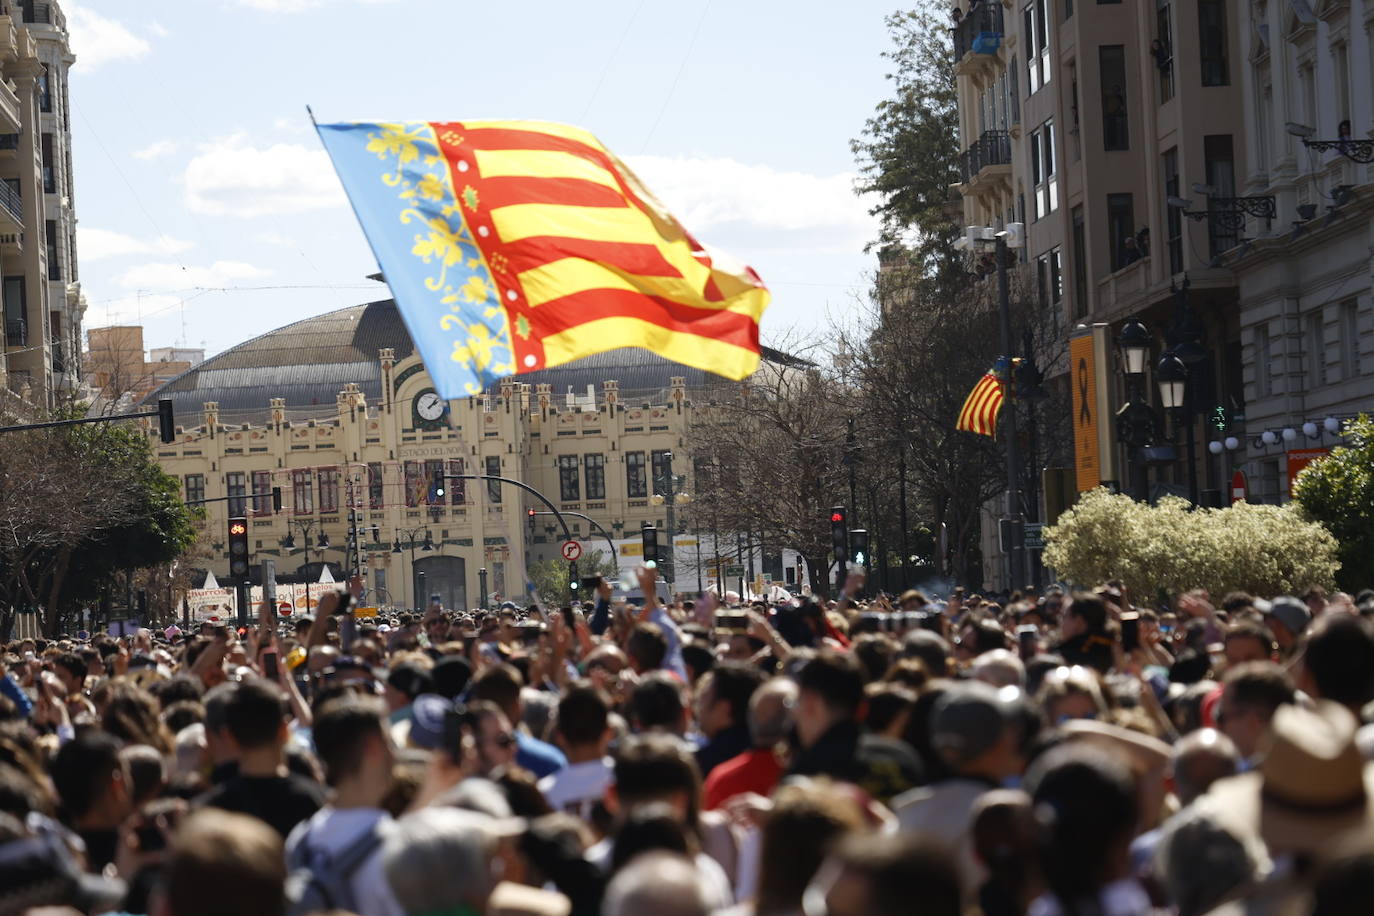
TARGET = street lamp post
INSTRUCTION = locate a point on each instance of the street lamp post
(1017, 548)
(666, 492)
(319, 546)
(1135, 420)
(1174, 394)
(412, 540)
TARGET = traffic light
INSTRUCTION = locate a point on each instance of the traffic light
(858, 546)
(276, 499)
(839, 534)
(238, 547)
(436, 488)
(573, 581)
(529, 515)
(650, 536)
(166, 425)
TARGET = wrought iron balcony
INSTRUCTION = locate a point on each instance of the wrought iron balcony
(992, 148)
(16, 332)
(980, 32)
(1361, 151)
(12, 202)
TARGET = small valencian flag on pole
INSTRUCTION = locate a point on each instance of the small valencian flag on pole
(512, 246)
(979, 414)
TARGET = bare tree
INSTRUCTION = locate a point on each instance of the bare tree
(769, 458)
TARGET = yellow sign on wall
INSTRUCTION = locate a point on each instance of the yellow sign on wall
(1094, 422)
(1083, 382)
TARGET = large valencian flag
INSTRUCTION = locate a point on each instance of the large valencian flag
(513, 246)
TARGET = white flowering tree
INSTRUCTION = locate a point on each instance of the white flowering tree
(1170, 548)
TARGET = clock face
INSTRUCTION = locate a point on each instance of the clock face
(429, 406)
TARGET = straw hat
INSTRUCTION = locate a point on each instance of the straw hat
(1312, 786)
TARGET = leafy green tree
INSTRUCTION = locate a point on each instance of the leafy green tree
(79, 506)
(1338, 491)
(908, 154)
(1167, 549)
(550, 577)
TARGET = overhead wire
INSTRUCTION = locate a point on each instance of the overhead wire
(672, 88)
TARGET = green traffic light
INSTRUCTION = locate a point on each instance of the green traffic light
(650, 565)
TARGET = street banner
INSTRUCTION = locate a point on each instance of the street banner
(211, 602)
(1094, 435)
(515, 246)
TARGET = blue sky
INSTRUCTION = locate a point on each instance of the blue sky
(196, 169)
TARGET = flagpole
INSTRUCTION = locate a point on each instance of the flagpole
(1015, 550)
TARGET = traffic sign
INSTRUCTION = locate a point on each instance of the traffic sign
(1035, 535)
(1240, 487)
(571, 550)
(734, 572)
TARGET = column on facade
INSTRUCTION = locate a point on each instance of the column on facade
(32, 359)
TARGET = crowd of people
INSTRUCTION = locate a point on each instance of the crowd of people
(1081, 753)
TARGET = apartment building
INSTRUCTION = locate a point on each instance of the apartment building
(1307, 315)
(118, 373)
(42, 300)
(1115, 132)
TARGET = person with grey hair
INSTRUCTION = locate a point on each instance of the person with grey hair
(757, 770)
(662, 883)
(441, 859)
(1000, 668)
(978, 730)
(1203, 861)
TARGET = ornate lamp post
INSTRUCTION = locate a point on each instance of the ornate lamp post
(412, 540)
(666, 492)
(1135, 421)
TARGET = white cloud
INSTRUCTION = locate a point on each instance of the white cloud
(163, 276)
(235, 179)
(158, 29)
(294, 125)
(97, 40)
(715, 196)
(97, 244)
(156, 149)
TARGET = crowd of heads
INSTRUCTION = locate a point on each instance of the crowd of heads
(1076, 752)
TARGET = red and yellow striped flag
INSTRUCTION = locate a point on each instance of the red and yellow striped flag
(979, 414)
(513, 246)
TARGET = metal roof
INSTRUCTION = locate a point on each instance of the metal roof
(309, 362)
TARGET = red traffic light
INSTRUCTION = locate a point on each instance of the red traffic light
(837, 516)
(238, 528)
(530, 513)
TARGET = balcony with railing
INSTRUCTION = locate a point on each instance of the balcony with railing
(9, 108)
(16, 332)
(990, 151)
(979, 33)
(11, 207)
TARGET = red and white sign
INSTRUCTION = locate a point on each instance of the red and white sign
(571, 550)
(1240, 489)
(1300, 458)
